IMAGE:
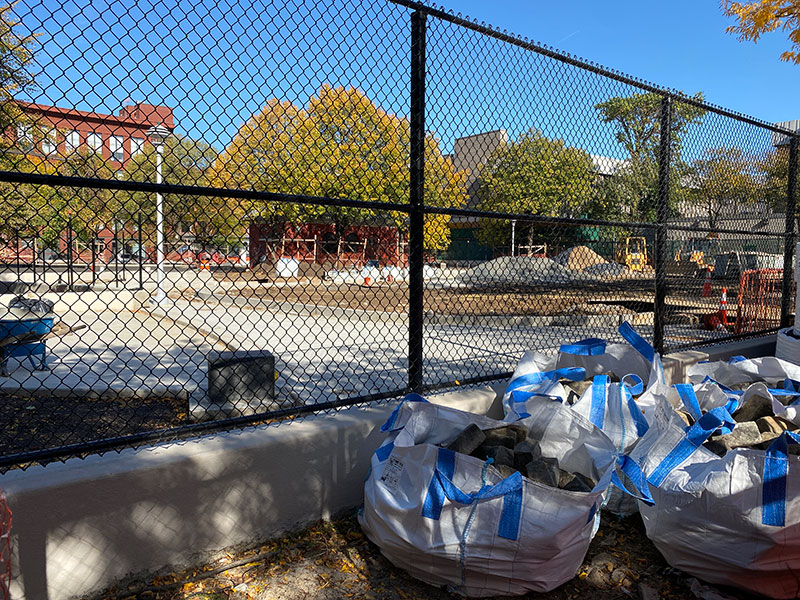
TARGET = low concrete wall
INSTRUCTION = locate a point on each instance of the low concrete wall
(83, 524)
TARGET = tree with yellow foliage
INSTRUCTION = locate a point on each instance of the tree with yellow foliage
(341, 145)
(763, 16)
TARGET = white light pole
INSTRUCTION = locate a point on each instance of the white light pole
(158, 136)
(513, 232)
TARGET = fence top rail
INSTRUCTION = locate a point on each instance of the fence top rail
(576, 61)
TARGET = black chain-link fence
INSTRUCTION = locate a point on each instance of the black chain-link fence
(246, 211)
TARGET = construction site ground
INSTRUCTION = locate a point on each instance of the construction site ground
(684, 296)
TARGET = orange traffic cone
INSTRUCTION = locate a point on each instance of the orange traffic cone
(723, 306)
(707, 285)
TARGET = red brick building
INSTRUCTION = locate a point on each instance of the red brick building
(319, 243)
(57, 131)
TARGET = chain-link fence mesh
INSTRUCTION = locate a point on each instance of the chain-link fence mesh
(247, 211)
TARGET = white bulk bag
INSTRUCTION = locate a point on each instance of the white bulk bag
(610, 407)
(597, 357)
(451, 519)
(732, 520)
(760, 373)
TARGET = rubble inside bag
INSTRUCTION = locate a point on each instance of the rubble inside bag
(511, 451)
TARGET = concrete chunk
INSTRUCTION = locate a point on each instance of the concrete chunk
(579, 483)
(755, 408)
(503, 436)
(744, 435)
(505, 470)
(544, 470)
(501, 455)
(774, 425)
(468, 440)
(525, 452)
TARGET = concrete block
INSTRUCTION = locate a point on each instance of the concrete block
(468, 440)
(544, 470)
(744, 435)
(774, 425)
(241, 382)
(503, 436)
(500, 455)
(755, 408)
(577, 483)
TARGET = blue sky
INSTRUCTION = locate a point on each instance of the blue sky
(680, 44)
(217, 62)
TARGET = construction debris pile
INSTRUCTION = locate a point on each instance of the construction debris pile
(490, 507)
(510, 451)
(575, 265)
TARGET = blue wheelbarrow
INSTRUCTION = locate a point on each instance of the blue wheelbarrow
(24, 338)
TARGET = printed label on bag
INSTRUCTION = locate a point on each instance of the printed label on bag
(391, 475)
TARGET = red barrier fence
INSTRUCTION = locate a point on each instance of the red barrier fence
(759, 300)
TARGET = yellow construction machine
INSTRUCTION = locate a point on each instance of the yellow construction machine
(695, 256)
(632, 252)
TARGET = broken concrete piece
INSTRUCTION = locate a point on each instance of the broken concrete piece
(505, 470)
(504, 436)
(744, 435)
(525, 452)
(565, 478)
(544, 470)
(578, 483)
(685, 417)
(500, 455)
(468, 440)
(578, 386)
(755, 408)
(774, 425)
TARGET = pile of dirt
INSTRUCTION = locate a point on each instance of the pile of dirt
(516, 270)
(579, 258)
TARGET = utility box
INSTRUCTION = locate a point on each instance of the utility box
(241, 382)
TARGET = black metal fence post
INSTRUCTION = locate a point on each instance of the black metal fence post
(69, 254)
(416, 226)
(139, 249)
(662, 212)
(788, 247)
(94, 259)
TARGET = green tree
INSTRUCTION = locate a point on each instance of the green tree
(16, 55)
(723, 182)
(213, 221)
(535, 175)
(636, 121)
(341, 145)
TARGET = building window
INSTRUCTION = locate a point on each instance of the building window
(115, 147)
(95, 141)
(137, 146)
(49, 142)
(25, 138)
(72, 140)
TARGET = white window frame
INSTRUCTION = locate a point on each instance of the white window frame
(50, 141)
(95, 141)
(137, 146)
(72, 140)
(25, 137)
(116, 148)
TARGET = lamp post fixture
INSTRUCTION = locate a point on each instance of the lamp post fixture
(158, 136)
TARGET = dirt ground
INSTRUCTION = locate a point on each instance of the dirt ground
(633, 294)
(334, 560)
(34, 423)
(394, 298)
